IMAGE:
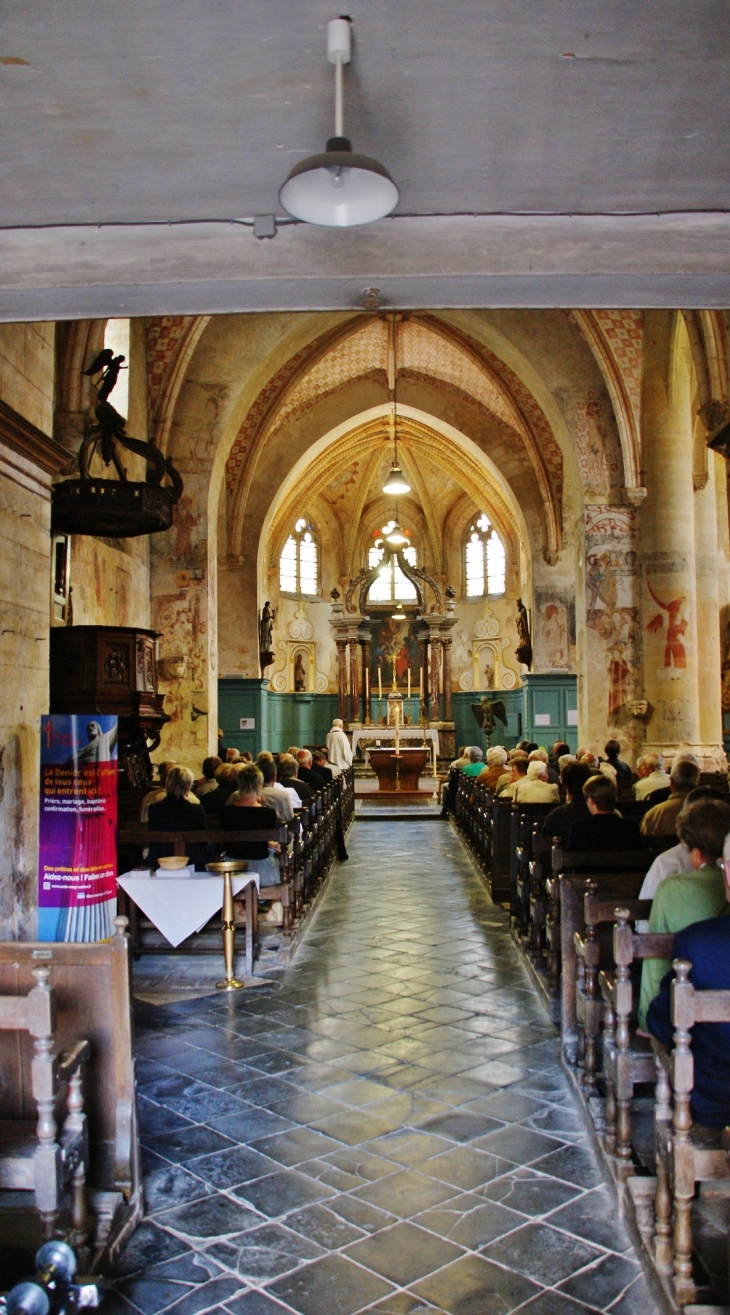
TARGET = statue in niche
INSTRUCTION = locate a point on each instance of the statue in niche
(300, 675)
(488, 676)
(523, 652)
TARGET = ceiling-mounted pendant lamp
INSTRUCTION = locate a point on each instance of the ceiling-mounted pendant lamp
(399, 614)
(396, 538)
(396, 483)
(339, 188)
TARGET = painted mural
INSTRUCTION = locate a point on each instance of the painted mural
(612, 577)
(554, 630)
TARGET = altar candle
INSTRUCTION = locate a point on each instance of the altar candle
(380, 685)
(409, 689)
(420, 683)
(435, 763)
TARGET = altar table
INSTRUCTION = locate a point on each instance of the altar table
(180, 906)
(386, 735)
(398, 773)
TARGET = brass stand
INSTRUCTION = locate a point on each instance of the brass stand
(226, 868)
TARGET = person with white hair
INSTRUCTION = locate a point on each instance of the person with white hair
(652, 778)
(496, 774)
(540, 755)
(535, 788)
(339, 751)
(474, 765)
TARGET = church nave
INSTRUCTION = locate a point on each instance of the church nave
(385, 1126)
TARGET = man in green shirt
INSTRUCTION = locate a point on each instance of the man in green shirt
(688, 897)
(475, 763)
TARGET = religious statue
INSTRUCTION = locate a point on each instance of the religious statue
(489, 676)
(487, 712)
(300, 675)
(266, 635)
(523, 652)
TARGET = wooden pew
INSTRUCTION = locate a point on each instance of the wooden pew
(627, 1058)
(686, 1154)
(523, 820)
(91, 986)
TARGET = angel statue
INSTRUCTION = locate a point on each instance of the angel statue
(487, 712)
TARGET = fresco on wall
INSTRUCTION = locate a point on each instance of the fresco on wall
(596, 444)
(554, 630)
(675, 654)
(394, 644)
(612, 615)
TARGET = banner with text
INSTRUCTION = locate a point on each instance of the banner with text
(77, 873)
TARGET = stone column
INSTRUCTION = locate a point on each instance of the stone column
(354, 681)
(708, 564)
(448, 710)
(366, 696)
(435, 678)
(423, 644)
(342, 679)
(669, 604)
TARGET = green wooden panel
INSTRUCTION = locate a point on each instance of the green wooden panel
(280, 720)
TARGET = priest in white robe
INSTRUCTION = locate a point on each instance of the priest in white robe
(338, 746)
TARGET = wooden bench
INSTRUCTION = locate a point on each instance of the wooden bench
(93, 1024)
(686, 1154)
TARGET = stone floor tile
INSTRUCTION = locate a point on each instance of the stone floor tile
(556, 1303)
(575, 1164)
(403, 1253)
(408, 1146)
(189, 1142)
(542, 1253)
(405, 1193)
(594, 1217)
(278, 1193)
(465, 1167)
(334, 1285)
(320, 1225)
(148, 1246)
(365, 1216)
(264, 1253)
(252, 1126)
(214, 1216)
(208, 1297)
(471, 1221)
(530, 1193)
(234, 1165)
(474, 1286)
(253, 1302)
(292, 1147)
(604, 1282)
(519, 1144)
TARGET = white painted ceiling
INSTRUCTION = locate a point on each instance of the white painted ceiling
(144, 110)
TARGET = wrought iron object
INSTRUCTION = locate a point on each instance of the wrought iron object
(114, 508)
(487, 712)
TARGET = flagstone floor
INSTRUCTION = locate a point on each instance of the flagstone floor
(385, 1127)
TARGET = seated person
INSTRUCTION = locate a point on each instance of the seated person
(539, 755)
(306, 772)
(689, 896)
(208, 783)
(474, 766)
(176, 813)
(661, 820)
(287, 771)
(226, 777)
(605, 830)
(496, 774)
(520, 762)
(244, 812)
(535, 788)
(154, 795)
(612, 751)
(652, 777)
(676, 859)
(558, 823)
(590, 758)
(233, 756)
(322, 767)
(461, 760)
(707, 946)
(273, 795)
(559, 749)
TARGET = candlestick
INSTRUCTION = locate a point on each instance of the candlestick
(435, 762)
(409, 689)
(380, 685)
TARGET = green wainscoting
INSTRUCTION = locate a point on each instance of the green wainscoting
(540, 711)
(279, 719)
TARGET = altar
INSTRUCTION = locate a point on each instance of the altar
(385, 735)
(398, 770)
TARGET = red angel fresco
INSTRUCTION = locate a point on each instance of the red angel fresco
(674, 651)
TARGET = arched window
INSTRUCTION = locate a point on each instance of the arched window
(484, 560)
(391, 585)
(299, 561)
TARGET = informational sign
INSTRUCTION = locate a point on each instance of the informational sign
(77, 869)
(247, 724)
(542, 718)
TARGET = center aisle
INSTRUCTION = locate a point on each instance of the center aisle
(386, 1127)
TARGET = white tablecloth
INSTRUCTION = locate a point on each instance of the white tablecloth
(179, 907)
(386, 735)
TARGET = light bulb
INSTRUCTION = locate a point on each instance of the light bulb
(396, 538)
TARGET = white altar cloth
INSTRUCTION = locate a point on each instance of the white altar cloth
(181, 906)
(386, 735)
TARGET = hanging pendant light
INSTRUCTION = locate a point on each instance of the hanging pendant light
(339, 188)
(396, 538)
(399, 614)
(395, 483)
